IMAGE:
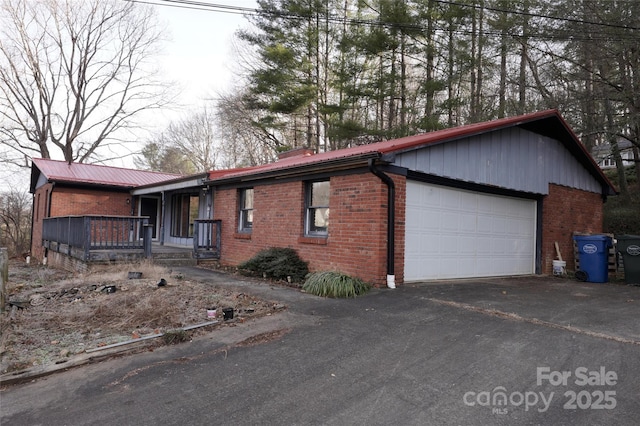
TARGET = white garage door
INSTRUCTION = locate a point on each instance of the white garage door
(453, 233)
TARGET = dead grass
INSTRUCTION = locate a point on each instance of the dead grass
(64, 314)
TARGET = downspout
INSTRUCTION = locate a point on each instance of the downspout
(48, 207)
(391, 221)
(162, 207)
(33, 210)
(47, 215)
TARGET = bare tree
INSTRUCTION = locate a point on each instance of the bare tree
(159, 156)
(15, 221)
(74, 75)
(188, 145)
(247, 138)
(196, 136)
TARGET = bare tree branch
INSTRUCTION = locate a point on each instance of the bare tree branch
(73, 75)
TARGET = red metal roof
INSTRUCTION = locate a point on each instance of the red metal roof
(545, 122)
(61, 171)
(386, 147)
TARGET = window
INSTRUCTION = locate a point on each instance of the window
(185, 212)
(608, 162)
(317, 208)
(245, 222)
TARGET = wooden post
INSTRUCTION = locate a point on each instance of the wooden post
(196, 237)
(4, 275)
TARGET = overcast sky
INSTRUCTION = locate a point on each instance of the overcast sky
(198, 56)
(200, 53)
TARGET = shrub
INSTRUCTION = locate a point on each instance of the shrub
(277, 263)
(334, 284)
(623, 220)
(173, 337)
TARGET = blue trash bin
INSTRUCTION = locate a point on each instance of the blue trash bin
(593, 251)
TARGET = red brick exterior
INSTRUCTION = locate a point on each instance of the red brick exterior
(69, 201)
(357, 239)
(567, 210)
(356, 244)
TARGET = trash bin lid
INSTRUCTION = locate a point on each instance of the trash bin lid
(629, 244)
(628, 237)
(592, 237)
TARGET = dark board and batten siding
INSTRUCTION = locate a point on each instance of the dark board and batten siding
(513, 158)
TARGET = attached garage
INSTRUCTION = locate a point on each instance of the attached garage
(482, 200)
(456, 233)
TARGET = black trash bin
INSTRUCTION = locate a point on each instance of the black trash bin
(629, 248)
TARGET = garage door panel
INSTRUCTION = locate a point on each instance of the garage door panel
(453, 233)
(468, 222)
(450, 221)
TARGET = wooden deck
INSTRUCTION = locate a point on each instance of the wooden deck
(109, 239)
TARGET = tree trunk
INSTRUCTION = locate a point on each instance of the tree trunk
(522, 79)
(502, 90)
(615, 151)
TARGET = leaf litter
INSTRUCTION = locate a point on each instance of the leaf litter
(52, 315)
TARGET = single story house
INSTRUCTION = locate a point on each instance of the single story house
(487, 199)
(62, 189)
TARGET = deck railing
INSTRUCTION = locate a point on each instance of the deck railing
(206, 238)
(78, 235)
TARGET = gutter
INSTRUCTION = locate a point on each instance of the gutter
(286, 171)
(47, 214)
(391, 222)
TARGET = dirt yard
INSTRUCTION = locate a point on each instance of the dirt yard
(53, 315)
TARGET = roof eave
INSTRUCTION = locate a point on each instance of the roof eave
(579, 151)
(202, 177)
(302, 170)
(84, 184)
(192, 181)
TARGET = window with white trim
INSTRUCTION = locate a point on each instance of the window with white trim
(245, 220)
(316, 209)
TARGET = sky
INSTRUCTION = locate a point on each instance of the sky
(198, 56)
(200, 52)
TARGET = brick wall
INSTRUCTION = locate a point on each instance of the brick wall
(400, 211)
(566, 210)
(356, 244)
(74, 201)
(66, 201)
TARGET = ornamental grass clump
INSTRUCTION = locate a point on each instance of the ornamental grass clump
(173, 337)
(276, 263)
(334, 284)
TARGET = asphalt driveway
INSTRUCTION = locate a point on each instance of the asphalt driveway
(495, 351)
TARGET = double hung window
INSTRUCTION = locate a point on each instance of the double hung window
(317, 208)
(245, 220)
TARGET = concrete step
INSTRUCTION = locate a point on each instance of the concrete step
(174, 258)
